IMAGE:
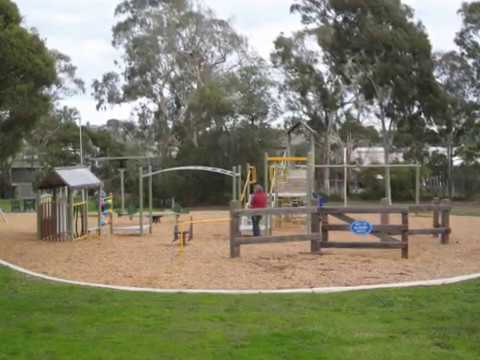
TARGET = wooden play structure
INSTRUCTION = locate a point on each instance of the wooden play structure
(60, 216)
(320, 227)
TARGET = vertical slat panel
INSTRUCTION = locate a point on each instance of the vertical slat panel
(315, 246)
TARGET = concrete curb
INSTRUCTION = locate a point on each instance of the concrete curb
(327, 290)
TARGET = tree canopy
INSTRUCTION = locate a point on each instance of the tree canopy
(27, 71)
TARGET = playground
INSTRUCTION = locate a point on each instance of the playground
(156, 261)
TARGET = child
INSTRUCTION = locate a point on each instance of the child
(259, 200)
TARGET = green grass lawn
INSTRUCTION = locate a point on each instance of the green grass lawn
(5, 205)
(40, 320)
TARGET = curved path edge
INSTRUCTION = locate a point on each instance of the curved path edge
(324, 290)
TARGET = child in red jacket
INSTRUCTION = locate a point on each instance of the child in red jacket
(259, 200)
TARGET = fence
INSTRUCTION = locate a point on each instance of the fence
(320, 227)
(441, 211)
(52, 218)
(80, 220)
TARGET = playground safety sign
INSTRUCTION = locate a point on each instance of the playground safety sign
(361, 228)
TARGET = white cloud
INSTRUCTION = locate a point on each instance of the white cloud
(82, 29)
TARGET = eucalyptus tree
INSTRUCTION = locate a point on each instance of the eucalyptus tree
(55, 137)
(377, 47)
(27, 71)
(174, 52)
(468, 38)
(457, 124)
(468, 41)
(310, 90)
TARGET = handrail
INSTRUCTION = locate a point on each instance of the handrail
(275, 211)
(245, 188)
(287, 159)
(78, 204)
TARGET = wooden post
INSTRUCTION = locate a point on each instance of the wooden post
(176, 229)
(384, 217)
(234, 229)
(324, 218)
(436, 216)
(150, 199)
(191, 229)
(446, 222)
(417, 184)
(315, 244)
(140, 193)
(405, 235)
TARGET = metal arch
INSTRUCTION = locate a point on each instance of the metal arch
(193, 168)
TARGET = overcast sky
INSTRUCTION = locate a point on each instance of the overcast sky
(82, 29)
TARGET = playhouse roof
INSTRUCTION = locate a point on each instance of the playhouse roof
(75, 178)
(303, 124)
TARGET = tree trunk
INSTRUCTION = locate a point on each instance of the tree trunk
(388, 182)
(195, 138)
(386, 150)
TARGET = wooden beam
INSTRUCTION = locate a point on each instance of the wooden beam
(428, 208)
(378, 229)
(277, 239)
(381, 235)
(391, 210)
(362, 245)
(436, 231)
(276, 211)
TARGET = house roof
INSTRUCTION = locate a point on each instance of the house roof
(75, 178)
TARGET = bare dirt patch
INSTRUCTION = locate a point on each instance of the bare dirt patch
(154, 261)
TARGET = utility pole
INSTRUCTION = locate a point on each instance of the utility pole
(81, 155)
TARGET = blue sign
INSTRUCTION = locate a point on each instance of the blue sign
(361, 228)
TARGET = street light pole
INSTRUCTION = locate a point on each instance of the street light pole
(81, 142)
(81, 155)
